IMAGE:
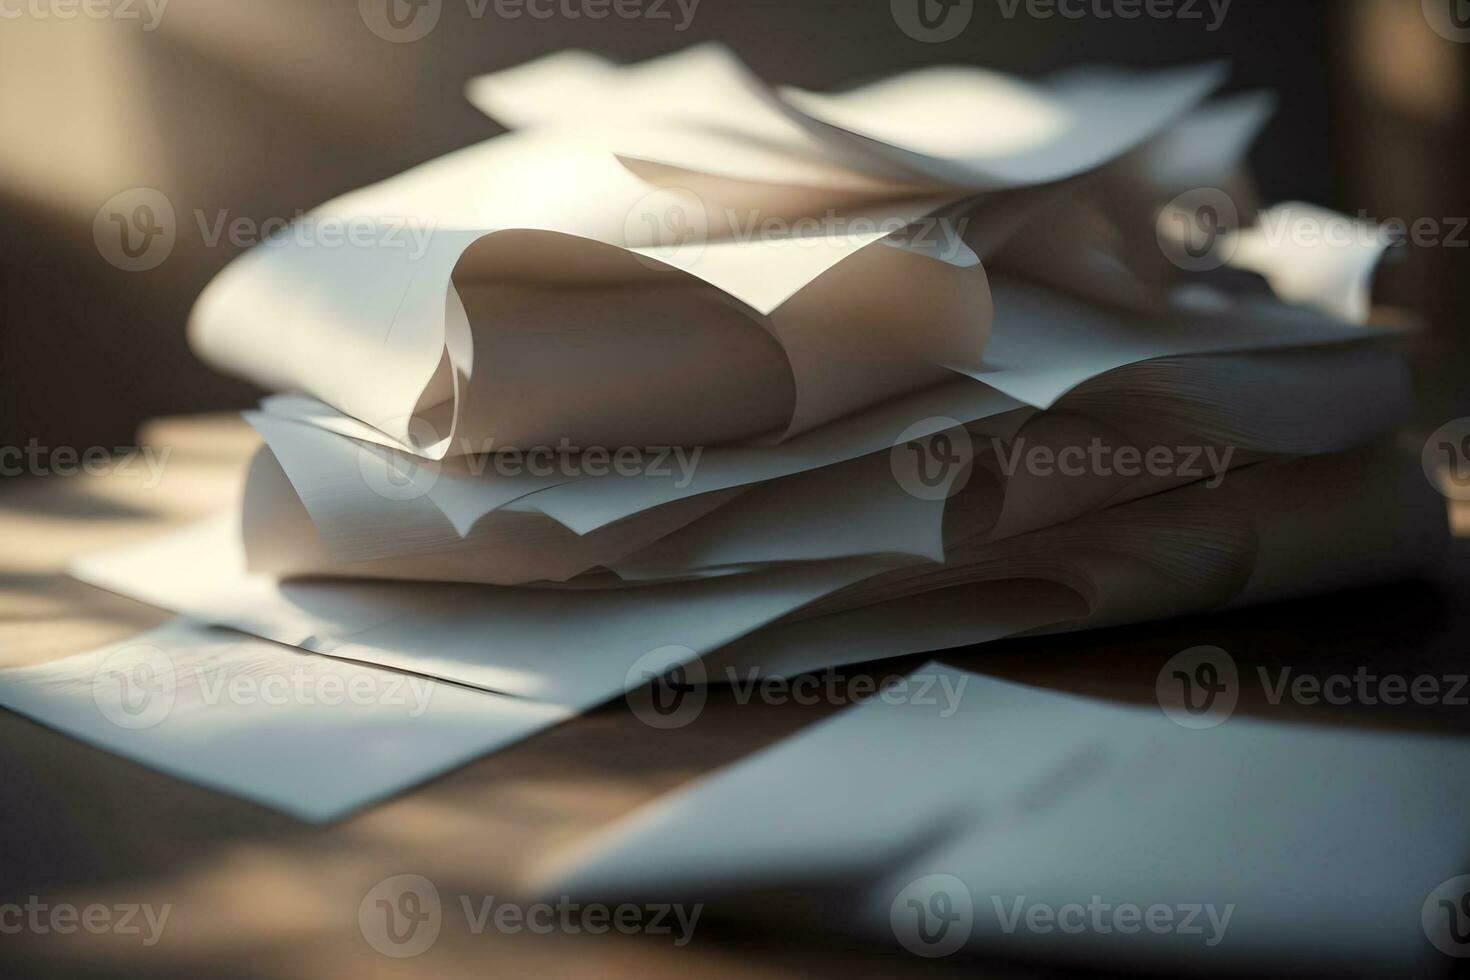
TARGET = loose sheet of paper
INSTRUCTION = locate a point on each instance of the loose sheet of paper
(1296, 847)
(309, 735)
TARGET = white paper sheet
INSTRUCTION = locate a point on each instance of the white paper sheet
(917, 128)
(1100, 239)
(1043, 346)
(1323, 845)
(1314, 257)
(431, 286)
(588, 503)
(308, 735)
(924, 121)
(1273, 532)
(317, 503)
(568, 646)
(1185, 551)
(1268, 532)
(1045, 343)
(1211, 413)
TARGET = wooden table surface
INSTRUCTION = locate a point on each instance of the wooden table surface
(255, 893)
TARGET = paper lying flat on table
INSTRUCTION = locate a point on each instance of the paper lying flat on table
(306, 734)
(572, 647)
(1296, 848)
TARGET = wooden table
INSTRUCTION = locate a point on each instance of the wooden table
(254, 893)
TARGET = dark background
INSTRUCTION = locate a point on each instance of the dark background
(263, 107)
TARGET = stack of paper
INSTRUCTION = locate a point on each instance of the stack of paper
(692, 368)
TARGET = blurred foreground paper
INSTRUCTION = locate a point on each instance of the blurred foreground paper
(305, 734)
(944, 813)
